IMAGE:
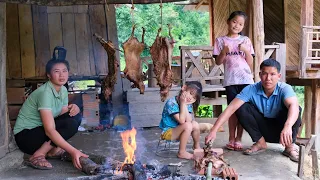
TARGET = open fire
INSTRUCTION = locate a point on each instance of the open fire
(129, 145)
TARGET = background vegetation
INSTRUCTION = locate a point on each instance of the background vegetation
(188, 27)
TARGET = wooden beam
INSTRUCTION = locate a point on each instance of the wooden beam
(199, 4)
(117, 99)
(211, 21)
(315, 111)
(3, 95)
(83, 2)
(258, 36)
(249, 22)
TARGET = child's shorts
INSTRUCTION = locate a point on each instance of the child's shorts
(167, 135)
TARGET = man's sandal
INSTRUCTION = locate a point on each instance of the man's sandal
(292, 153)
(254, 149)
(58, 155)
(38, 162)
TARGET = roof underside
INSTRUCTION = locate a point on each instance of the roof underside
(84, 2)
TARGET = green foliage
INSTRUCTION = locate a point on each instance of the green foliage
(83, 85)
(205, 111)
(188, 27)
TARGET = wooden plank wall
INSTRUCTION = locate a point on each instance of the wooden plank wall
(292, 31)
(4, 121)
(34, 31)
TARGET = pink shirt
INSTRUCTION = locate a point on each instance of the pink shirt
(236, 68)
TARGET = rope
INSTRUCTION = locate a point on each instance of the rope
(106, 3)
(132, 13)
(161, 14)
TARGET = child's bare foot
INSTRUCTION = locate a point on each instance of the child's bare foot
(185, 155)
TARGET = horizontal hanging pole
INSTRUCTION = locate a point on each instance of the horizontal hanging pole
(83, 2)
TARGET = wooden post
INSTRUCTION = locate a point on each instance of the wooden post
(249, 23)
(281, 58)
(4, 121)
(258, 36)
(301, 160)
(152, 82)
(315, 111)
(211, 19)
(117, 98)
(306, 118)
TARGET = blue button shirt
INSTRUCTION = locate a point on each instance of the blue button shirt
(269, 107)
(171, 108)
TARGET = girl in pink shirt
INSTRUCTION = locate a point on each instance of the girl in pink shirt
(236, 53)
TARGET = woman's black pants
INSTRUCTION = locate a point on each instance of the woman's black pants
(30, 140)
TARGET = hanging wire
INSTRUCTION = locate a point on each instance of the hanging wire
(132, 13)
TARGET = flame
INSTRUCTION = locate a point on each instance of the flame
(129, 145)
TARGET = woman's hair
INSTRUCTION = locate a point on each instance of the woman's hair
(237, 13)
(53, 62)
(194, 85)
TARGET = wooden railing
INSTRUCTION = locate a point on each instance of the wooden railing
(309, 53)
(197, 64)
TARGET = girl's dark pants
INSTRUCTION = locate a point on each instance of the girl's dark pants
(30, 140)
(259, 126)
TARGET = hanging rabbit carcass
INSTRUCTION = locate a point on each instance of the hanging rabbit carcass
(132, 51)
(113, 64)
(161, 54)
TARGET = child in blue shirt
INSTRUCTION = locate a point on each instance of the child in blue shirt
(177, 121)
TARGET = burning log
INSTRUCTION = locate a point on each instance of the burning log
(113, 64)
(88, 166)
(161, 54)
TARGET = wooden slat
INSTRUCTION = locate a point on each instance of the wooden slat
(3, 95)
(13, 41)
(203, 48)
(54, 9)
(98, 25)
(196, 62)
(67, 9)
(90, 46)
(55, 30)
(28, 59)
(82, 44)
(69, 41)
(41, 38)
(80, 9)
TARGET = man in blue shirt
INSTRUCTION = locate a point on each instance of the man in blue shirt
(267, 110)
